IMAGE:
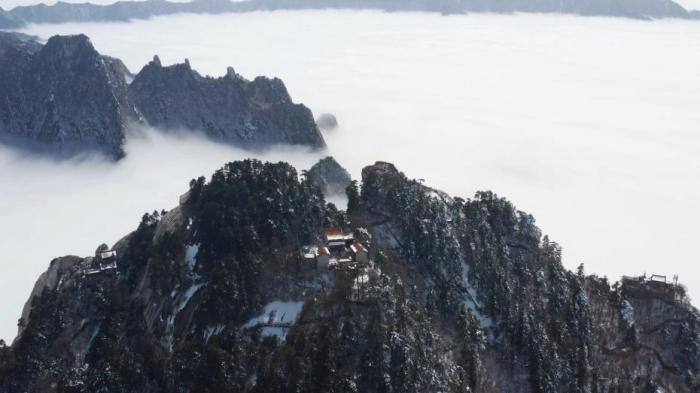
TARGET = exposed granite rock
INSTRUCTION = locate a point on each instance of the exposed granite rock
(230, 108)
(63, 96)
(49, 281)
(329, 176)
(460, 296)
(327, 122)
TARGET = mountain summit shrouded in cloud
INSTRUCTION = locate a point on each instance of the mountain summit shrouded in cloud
(65, 97)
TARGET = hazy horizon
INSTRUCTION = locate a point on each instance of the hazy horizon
(9, 4)
(590, 124)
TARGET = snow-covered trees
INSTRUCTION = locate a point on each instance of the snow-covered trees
(464, 296)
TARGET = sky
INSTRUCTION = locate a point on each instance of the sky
(590, 124)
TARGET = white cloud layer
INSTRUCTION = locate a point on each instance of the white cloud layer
(590, 124)
(689, 4)
(10, 4)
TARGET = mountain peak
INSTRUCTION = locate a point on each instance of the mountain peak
(235, 287)
(70, 43)
(328, 175)
(80, 100)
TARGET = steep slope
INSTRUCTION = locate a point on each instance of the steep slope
(558, 330)
(329, 176)
(62, 96)
(457, 296)
(247, 113)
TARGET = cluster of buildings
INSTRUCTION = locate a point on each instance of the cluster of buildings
(339, 250)
(103, 260)
(654, 279)
(658, 283)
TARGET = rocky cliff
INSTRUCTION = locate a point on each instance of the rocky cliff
(65, 97)
(248, 113)
(62, 96)
(460, 295)
(329, 176)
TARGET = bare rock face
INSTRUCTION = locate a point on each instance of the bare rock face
(231, 109)
(63, 96)
(327, 122)
(48, 281)
(329, 176)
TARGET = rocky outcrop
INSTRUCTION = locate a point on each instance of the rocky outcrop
(126, 10)
(49, 281)
(65, 97)
(460, 295)
(329, 176)
(327, 122)
(254, 113)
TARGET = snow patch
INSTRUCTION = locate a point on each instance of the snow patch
(191, 256)
(212, 331)
(472, 303)
(360, 281)
(277, 313)
(182, 302)
(92, 338)
(186, 297)
(627, 313)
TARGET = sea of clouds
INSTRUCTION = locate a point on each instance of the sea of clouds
(590, 124)
(10, 4)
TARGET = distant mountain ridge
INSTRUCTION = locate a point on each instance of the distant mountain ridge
(127, 10)
(6, 21)
(66, 97)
